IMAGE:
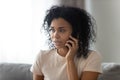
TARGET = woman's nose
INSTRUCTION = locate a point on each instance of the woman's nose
(56, 34)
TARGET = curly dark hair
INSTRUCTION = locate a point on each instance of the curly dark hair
(83, 26)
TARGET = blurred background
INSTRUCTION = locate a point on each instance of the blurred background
(20, 22)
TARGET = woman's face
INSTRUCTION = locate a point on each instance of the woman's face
(60, 30)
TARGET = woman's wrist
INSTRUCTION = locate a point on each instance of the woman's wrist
(70, 60)
(71, 69)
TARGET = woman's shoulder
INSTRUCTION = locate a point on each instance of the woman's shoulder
(91, 55)
(45, 52)
(94, 53)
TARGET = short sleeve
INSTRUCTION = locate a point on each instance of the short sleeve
(36, 67)
(93, 62)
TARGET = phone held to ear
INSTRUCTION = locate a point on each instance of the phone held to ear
(74, 35)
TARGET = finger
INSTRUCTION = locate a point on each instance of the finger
(71, 43)
(68, 45)
(74, 39)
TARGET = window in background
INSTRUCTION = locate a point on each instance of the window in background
(20, 37)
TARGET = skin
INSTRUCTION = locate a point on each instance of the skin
(66, 45)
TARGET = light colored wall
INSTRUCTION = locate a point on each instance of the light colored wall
(107, 15)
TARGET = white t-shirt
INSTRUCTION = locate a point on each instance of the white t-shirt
(53, 66)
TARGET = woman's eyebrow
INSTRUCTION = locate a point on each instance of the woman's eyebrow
(58, 27)
(62, 27)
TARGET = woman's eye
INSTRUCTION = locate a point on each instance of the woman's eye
(51, 30)
(62, 30)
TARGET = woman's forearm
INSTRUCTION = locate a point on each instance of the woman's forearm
(71, 70)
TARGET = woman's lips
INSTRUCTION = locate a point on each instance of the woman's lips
(57, 43)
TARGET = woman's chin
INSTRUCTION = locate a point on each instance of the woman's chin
(58, 47)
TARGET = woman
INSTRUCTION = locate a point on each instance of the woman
(70, 33)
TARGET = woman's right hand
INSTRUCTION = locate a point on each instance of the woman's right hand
(72, 45)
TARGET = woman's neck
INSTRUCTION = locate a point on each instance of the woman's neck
(62, 51)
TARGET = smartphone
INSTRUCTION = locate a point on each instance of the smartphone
(74, 35)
